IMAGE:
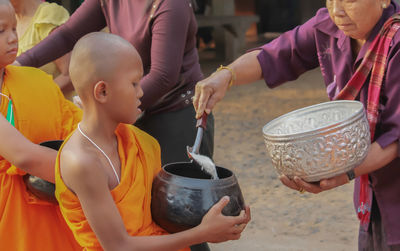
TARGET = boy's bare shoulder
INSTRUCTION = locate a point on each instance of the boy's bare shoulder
(78, 166)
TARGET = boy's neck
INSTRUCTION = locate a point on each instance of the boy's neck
(98, 128)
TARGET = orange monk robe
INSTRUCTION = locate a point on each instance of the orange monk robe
(41, 113)
(140, 162)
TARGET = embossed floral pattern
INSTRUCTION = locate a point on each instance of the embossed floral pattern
(321, 153)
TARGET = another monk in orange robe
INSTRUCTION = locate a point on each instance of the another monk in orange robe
(32, 102)
(105, 169)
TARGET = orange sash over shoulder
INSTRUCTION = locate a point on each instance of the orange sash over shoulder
(140, 161)
(41, 113)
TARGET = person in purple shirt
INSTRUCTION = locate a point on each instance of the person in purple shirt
(336, 40)
(164, 34)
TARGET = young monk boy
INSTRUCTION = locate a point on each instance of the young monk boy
(105, 169)
(32, 103)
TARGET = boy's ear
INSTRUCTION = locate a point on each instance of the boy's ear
(100, 91)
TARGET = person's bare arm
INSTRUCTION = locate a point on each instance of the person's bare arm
(63, 80)
(18, 150)
(377, 158)
(86, 178)
(212, 89)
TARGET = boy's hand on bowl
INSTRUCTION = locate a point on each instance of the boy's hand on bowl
(219, 228)
(314, 187)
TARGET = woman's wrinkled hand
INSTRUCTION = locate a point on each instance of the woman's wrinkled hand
(218, 227)
(316, 187)
(210, 91)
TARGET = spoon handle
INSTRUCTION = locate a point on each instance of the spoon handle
(201, 126)
(202, 121)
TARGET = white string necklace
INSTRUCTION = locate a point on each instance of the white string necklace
(4, 95)
(91, 141)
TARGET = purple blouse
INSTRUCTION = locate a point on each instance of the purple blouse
(166, 42)
(319, 43)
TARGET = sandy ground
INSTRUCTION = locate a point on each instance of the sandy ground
(282, 219)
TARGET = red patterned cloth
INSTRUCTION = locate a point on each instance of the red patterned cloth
(373, 66)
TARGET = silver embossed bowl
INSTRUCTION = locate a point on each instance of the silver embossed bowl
(319, 141)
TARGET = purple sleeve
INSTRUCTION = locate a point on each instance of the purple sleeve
(291, 54)
(87, 18)
(169, 35)
(388, 126)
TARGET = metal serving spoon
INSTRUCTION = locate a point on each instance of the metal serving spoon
(205, 162)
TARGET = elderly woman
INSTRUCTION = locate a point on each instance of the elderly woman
(345, 40)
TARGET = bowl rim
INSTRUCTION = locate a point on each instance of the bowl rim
(341, 123)
(227, 181)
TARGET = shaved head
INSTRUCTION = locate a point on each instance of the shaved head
(97, 57)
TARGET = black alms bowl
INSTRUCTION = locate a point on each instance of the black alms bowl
(182, 194)
(43, 189)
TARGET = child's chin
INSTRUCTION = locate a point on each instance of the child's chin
(11, 59)
(130, 121)
(7, 62)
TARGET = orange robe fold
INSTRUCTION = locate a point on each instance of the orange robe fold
(140, 161)
(41, 113)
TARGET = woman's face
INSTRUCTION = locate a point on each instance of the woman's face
(356, 18)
